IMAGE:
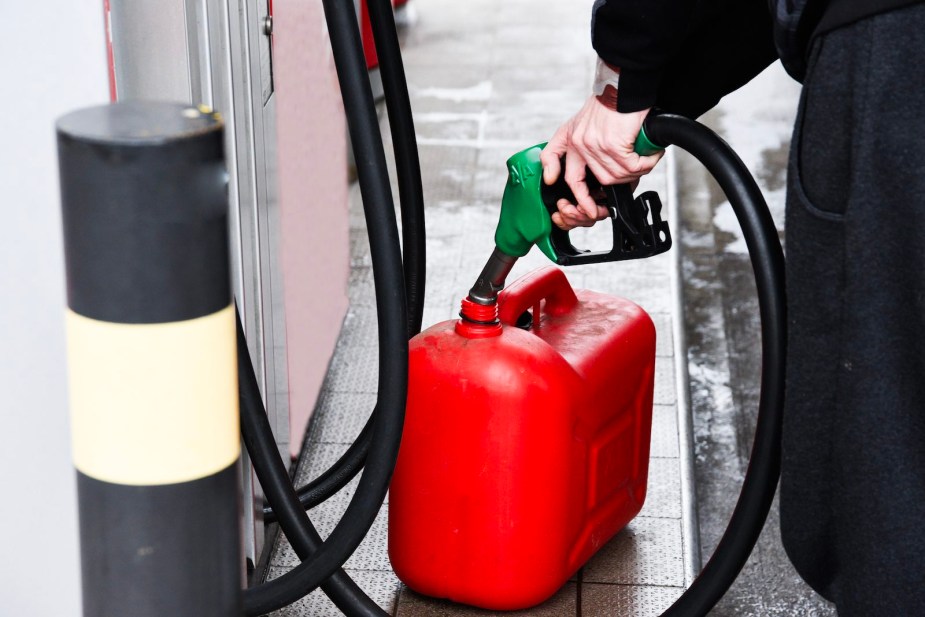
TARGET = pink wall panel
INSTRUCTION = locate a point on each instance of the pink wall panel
(313, 200)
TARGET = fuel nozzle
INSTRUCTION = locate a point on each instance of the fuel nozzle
(526, 208)
(481, 305)
(519, 227)
(528, 203)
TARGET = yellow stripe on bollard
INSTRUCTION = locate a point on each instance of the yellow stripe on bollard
(153, 404)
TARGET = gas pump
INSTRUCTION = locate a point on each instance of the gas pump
(218, 54)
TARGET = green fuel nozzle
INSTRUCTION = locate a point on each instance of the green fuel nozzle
(528, 204)
(524, 219)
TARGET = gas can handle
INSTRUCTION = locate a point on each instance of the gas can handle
(548, 283)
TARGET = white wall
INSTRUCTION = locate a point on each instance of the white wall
(53, 61)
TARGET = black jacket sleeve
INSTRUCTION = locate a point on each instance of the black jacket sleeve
(641, 37)
(682, 56)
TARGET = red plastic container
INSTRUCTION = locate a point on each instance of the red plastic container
(524, 451)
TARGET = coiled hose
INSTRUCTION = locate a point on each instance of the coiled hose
(767, 259)
(321, 561)
(411, 193)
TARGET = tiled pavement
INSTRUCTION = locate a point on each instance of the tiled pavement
(488, 79)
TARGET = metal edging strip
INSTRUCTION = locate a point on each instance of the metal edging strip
(689, 518)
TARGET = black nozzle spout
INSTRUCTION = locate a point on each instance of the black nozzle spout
(491, 280)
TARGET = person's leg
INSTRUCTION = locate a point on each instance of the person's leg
(815, 248)
(853, 483)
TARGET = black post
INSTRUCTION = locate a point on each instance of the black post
(152, 363)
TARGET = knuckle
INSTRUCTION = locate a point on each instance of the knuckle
(574, 174)
(639, 167)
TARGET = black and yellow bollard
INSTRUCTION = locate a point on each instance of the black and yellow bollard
(152, 364)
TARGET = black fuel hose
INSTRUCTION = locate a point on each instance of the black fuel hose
(273, 477)
(334, 478)
(362, 122)
(414, 258)
(407, 162)
(767, 259)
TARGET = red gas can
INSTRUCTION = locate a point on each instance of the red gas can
(524, 451)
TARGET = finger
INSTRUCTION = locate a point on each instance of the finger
(575, 178)
(560, 223)
(638, 165)
(584, 220)
(603, 160)
(550, 155)
(551, 169)
(611, 165)
(614, 161)
(607, 171)
(606, 156)
(572, 216)
(569, 214)
(628, 170)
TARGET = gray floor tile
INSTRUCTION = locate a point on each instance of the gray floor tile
(382, 587)
(448, 170)
(361, 290)
(663, 496)
(571, 83)
(626, 600)
(316, 459)
(355, 370)
(444, 250)
(411, 604)
(664, 442)
(664, 338)
(647, 552)
(444, 287)
(372, 554)
(360, 329)
(665, 387)
(359, 248)
(437, 314)
(469, 48)
(341, 416)
(465, 89)
(515, 125)
(449, 126)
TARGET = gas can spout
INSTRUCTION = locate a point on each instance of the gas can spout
(491, 280)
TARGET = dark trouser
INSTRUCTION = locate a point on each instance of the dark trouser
(853, 480)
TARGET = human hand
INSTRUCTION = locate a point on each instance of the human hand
(602, 140)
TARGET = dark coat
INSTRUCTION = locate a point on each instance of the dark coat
(685, 55)
(852, 494)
